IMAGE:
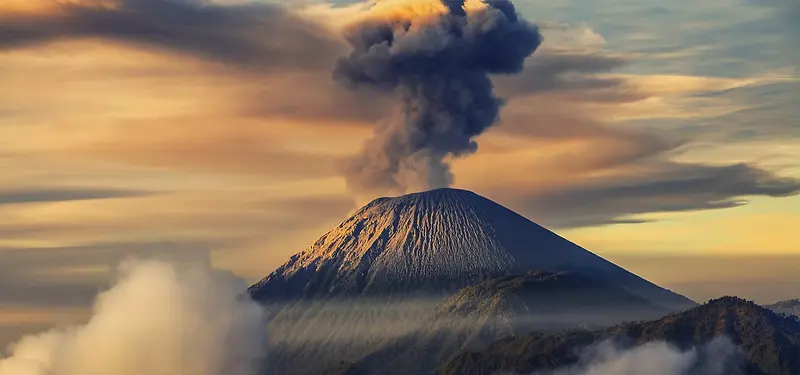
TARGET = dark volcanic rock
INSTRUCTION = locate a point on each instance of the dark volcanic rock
(770, 343)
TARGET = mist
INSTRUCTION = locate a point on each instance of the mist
(370, 320)
(415, 334)
(718, 357)
(157, 318)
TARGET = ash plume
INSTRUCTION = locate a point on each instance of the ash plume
(436, 57)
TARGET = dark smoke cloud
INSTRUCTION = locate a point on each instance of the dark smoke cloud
(262, 36)
(439, 68)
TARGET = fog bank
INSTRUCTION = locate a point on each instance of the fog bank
(157, 319)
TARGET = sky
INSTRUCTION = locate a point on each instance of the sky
(662, 136)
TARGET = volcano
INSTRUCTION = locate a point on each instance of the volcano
(375, 286)
(435, 243)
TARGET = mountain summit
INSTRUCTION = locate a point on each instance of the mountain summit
(436, 242)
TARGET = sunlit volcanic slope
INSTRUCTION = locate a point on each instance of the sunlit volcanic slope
(436, 242)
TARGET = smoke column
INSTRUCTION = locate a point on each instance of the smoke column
(158, 319)
(436, 57)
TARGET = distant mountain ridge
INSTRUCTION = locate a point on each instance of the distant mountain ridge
(541, 293)
(770, 343)
(438, 242)
(789, 307)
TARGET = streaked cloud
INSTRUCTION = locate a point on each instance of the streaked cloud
(668, 187)
(259, 35)
(212, 216)
(36, 194)
(767, 277)
(571, 72)
(612, 165)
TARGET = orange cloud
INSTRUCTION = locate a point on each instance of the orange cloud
(132, 105)
(10, 316)
(418, 10)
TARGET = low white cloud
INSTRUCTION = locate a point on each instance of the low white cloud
(719, 357)
(157, 319)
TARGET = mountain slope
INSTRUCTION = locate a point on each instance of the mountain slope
(496, 308)
(552, 297)
(378, 276)
(436, 242)
(769, 342)
(788, 307)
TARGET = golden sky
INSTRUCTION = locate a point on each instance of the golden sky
(128, 128)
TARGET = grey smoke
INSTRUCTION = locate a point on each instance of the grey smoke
(439, 69)
(718, 357)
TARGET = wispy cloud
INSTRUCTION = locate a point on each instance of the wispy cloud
(262, 36)
(577, 118)
(662, 187)
(38, 194)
